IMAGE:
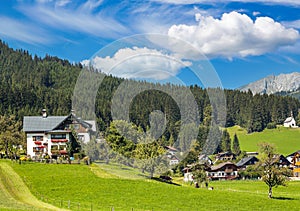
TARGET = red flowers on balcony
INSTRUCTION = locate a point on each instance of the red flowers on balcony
(38, 142)
(63, 152)
(59, 140)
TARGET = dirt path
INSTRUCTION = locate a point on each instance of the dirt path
(15, 190)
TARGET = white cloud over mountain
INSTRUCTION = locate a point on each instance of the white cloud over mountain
(138, 62)
(235, 35)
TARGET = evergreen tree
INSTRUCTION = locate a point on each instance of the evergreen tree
(236, 145)
(225, 142)
(298, 118)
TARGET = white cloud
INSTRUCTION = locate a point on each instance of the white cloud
(256, 13)
(62, 3)
(235, 35)
(138, 62)
(82, 19)
(280, 2)
(17, 30)
(293, 24)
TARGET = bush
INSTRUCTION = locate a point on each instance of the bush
(271, 125)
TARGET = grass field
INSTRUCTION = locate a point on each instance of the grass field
(287, 140)
(15, 195)
(82, 187)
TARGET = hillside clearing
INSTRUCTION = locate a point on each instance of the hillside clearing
(287, 140)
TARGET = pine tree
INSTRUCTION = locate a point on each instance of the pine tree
(236, 145)
(226, 142)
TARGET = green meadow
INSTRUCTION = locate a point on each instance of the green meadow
(82, 187)
(286, 140)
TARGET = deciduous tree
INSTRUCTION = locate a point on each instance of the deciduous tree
(273, 174)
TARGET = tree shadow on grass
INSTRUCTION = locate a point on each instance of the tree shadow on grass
(164, 181)
(283, 198)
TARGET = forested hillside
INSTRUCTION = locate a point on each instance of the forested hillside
(29, 83)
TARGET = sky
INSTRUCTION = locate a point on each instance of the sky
(242, 40)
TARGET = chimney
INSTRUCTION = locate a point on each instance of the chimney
(44, 113)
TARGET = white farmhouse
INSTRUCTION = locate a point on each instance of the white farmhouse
(50, 134)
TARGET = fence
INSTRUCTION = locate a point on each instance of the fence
(86, 206)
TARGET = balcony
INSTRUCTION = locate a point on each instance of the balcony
(59, 140)
(228, 170)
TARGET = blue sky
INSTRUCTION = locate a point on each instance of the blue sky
(244, 40)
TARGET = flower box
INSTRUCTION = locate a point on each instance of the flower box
(38, 142)
(63, 152)
(59, 140)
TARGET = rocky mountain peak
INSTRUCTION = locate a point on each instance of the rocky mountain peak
(274, 84)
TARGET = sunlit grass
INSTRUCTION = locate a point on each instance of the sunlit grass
(79, 184)
(287, 140)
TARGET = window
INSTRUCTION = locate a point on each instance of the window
(81, 138)
(76, 126)
(58, 136)
(37, 138)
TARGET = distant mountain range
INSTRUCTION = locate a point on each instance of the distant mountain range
(283, 84)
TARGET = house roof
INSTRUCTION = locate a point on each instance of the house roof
(282, 159)
(289, 119)
(171, 148)
(220, 154)
(49, 123)
(213, 168)
(293, 154)
(92, 123)
(39, 123)
(245, 160)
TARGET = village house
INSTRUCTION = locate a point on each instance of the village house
(291, 156)
(171, 155)
(225, 156)
(296, 164)
(170, 151)
(173, 160)
(223, 171)
(50, 134)
(204, 159)
(247, 161)
(282, 161)
(187, 174)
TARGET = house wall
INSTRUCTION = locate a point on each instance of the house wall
(31, 145)
(222, 174)
(45, 141)
(84, 137)
(292, 123)
(188, 177)
(174, 162)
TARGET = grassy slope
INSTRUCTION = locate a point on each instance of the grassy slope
(78, 183)
(119, 171)
(15, 194)
(285, 139)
